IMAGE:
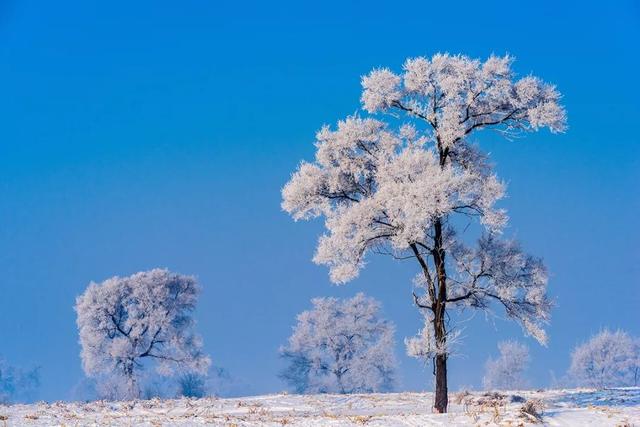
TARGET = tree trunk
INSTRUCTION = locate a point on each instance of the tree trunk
(441, 400)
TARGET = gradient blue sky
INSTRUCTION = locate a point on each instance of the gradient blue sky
(146, 134)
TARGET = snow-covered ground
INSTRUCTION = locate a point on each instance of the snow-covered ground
(616, 407)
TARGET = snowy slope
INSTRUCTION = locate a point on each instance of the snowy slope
(618, 407)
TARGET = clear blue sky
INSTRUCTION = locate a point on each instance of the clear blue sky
(146, 134)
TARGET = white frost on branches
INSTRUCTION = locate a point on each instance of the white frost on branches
(608, 359)
(457, 95)
(425, 346)
(378, 188)
(395, 191)
(498, 270)
(340, 346)
(507, 371)
(126, 323)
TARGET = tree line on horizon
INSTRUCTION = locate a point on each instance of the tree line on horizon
(138, 341)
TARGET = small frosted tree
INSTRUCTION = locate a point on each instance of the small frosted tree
(192, 384)
(340, 346)
(17, 384)
(396, 187)
(127, 323)
(608, 359)
(507, 371)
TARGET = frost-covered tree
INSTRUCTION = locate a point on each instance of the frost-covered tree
(396, 186)
(127, 323)
(17, 384)
(608, 359)
(192, 384)
(507, 371)
(340, 346)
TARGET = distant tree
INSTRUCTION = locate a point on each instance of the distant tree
(507, 371)
(216, 381)
(126, 323)
(608, 359)
(397, 190)
(192, 384)
(340, 346)
(17, 384)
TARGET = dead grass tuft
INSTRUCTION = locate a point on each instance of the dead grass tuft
(532, 410)
(361, 419)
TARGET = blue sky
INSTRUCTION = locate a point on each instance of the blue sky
(146, 134)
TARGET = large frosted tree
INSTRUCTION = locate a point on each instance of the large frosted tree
(127, 323)
(394, 182)
(340, 346)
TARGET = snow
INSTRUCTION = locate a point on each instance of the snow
(578, 407)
